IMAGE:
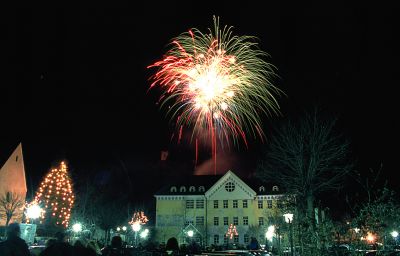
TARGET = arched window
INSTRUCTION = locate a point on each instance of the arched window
(173, 189)
(182, 189)
(192, 189)
(275, 188)
(261, 189)
(201, 189)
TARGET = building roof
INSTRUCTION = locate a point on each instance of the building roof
(195, 181)
(207, 181)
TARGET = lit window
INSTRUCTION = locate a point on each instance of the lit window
(230, 186)
(188, 222)
(192, 189)
(190, 204)
(200, 204)
(236, 221)
(235, 203)
(173, 189)
(215, 204)
(261, 189)
(216, 221)
(275, 188)
(244, 203)
(260, 204)
(245, 221)
(225, 203)
(216, 239)
(261, 221)
(269, 203)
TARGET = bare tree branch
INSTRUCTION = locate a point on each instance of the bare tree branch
(10, 202)
(306, 157)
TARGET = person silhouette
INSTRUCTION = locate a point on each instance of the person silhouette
(14, 245)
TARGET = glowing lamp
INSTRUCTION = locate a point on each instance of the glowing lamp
(77, 227)
(136, 226)
(33, 211)
(370, 238)
(144, 233)
(288, 217)
(270, 233)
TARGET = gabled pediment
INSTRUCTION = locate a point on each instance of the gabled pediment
(230, 186)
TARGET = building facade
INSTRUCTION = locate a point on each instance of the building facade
(12, 181)
(208, 205)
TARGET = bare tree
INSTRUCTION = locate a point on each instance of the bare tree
(10, 202)
(86, 206)
(306, 157)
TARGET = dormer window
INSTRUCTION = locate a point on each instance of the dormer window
(182, 189)
(201, 189)
(261, 189)
(192, 189)
(275, 188)
(173, 189)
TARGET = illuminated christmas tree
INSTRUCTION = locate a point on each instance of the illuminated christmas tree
(56, 197)
(232, 232)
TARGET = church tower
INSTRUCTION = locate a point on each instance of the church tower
(12, 179)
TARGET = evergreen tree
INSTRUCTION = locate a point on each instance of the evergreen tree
(56, 196)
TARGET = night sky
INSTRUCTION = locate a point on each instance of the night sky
(74, 83)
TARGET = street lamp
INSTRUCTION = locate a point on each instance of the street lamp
(138, 219)
(33, 211)
(395, 234)
(270, 233)
(190, 233)
(77, 227)
(136, 227)
(289, 220)
(370, 237)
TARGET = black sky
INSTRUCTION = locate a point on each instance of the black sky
(74, 82)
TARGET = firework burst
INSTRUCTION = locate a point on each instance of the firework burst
(217, 82)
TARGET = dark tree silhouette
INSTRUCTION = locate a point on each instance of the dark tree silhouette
(306, 157)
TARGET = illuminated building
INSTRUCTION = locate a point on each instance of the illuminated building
(210, 204)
